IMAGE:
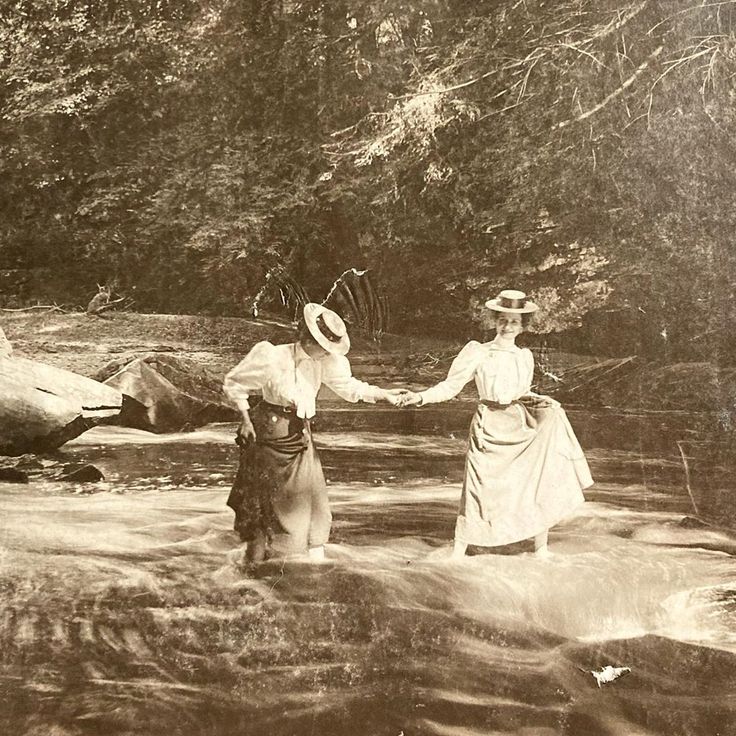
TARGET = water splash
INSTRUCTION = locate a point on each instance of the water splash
(135, 607)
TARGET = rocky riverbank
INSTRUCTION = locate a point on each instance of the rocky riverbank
(87, 345)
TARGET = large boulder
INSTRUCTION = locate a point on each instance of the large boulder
(167, 394)
(42, 407)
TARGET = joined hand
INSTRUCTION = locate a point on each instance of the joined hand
(394, 396)
(402, 397)
(409, 398)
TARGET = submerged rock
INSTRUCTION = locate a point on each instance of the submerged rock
(32, 469)
(167, 394)
(13, 475)
(83, 474)
(690, 522)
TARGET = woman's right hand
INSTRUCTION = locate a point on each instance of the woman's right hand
(246, 432)
(410, 398)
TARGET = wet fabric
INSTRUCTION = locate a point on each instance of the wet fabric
(280, 492)
(524, 473)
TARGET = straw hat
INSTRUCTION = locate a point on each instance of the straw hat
(327, 328)
(512, 302)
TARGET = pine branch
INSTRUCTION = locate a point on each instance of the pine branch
(616, 93)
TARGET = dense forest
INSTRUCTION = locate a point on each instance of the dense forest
(181, 150)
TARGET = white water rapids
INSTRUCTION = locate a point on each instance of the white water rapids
(125, 608)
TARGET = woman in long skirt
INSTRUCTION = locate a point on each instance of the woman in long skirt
(525, 470)
(279, 495)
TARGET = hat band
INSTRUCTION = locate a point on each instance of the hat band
(507, 303)
(326, 331)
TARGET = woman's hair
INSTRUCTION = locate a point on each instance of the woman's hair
(303, 333)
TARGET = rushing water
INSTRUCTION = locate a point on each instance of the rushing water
(125, 608)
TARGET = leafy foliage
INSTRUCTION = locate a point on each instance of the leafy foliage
(582, 150)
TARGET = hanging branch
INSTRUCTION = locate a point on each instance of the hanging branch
(616, 93)
(444, 90)
(691, 9)
(584, 52)
(682, 60)
(620, 22)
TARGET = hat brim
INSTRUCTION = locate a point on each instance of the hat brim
(528, 308)
(312, 313)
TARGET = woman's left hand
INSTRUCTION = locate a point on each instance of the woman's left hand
(394, 396)
(410, 398)
(540, 401)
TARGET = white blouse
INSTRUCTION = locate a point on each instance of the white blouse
(502, 373)
(286, 375)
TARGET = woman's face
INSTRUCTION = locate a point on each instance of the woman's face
(508, 326)
(311, 347)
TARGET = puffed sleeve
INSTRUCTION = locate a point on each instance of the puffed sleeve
(249, 376)
(461, 371)
(337, 374)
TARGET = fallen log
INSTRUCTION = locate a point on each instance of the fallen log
(42, 407)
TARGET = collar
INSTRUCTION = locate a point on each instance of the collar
(513, 348)
(300, 355)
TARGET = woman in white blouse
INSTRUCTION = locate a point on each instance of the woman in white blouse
(279, 495)
(525, 470)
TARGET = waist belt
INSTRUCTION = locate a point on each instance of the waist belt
(287, 411)
(495, 404)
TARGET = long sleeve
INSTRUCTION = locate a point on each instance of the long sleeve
(337, 375)
(249, 376)
(528, 358)
(461, 371)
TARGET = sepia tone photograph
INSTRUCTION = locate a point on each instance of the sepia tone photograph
(367, 368)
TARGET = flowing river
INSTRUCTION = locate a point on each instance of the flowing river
(125, 608)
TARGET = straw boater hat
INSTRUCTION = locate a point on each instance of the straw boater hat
(327, 328)
(512, 302)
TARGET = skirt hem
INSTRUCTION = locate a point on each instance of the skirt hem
(485, 536)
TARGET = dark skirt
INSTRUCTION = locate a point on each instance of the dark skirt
(279, 495)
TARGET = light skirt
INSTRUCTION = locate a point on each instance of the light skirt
(525, 472)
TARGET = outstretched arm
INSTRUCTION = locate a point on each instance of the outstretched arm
(337, 375)
(461, 371)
